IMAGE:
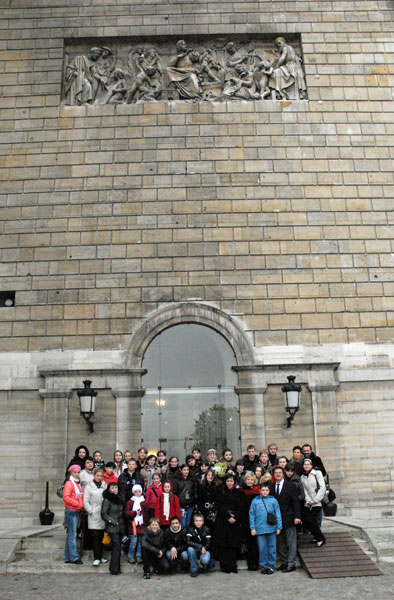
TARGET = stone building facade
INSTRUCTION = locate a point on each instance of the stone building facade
(267, 218)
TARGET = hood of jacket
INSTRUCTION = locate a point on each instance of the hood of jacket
(113, 498)
(78, 448)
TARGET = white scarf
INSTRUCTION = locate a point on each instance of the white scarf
(138, 500)
(166, 506)
(77, 489)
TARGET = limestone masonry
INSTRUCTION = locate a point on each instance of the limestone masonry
(247, 188)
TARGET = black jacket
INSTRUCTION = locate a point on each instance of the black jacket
(185, 489)
(175, 540)
(250, 465)
(198, 538)
(126, 482)
(112, 512)
(76, 460)
(153, 543)
(207, 498)
(230, 504)
(288, 503)
(317, 463)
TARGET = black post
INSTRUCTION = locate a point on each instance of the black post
(46, 515)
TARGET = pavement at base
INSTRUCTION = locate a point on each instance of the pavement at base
(292, 586)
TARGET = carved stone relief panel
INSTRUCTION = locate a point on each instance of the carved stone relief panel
(136, 69)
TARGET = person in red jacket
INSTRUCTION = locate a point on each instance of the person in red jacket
(73, 504)
(108, 474)
(136, 513)
(167, 505)
(152, 494)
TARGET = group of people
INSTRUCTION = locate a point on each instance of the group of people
(171, 516)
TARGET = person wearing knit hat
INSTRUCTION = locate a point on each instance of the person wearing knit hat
(136, 513)
(73, 504)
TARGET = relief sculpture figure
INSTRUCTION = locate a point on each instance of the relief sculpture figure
(83, 79)
(288, 78)
(221, 71)
(182, 72)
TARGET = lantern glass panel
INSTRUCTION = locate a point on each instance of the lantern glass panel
(88, 404)
(292, 399)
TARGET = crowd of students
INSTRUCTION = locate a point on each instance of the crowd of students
(170, 516)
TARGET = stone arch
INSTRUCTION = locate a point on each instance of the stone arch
(190, 312)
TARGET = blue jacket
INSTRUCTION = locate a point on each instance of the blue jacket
(258, 515)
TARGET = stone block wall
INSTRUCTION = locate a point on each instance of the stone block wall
(278, 212)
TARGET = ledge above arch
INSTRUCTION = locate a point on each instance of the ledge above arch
(189, 312)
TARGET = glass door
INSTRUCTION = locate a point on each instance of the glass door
(177, 419)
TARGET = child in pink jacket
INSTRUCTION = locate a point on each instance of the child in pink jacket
(73, 504)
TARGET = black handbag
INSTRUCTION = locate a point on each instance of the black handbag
(271, 518)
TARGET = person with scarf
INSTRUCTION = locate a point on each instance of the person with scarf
(264, 462)
(148, 470)
(228, 525)
(250, 490)
(108, 473)
(153, 549)
(86, 474)
(314, 488)
(162, 461)
(167, 505)
(73, 504)
(152, 494)
(92, 502)
(112, 514)
(136, 513)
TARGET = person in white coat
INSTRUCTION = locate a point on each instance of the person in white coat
(92, 501)
(314, 487)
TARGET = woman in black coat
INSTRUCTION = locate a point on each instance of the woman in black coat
(228, 525)
(112, 515)
(207, 498)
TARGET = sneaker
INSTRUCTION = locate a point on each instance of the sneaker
(194, 574)
(77, 562)
(104, 560)
(96, 563)
(131, 561)
(139, 560)
(146, 575)
(269, 571)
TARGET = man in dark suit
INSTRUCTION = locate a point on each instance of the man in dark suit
(285, 493)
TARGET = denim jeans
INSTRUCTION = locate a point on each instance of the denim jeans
(135, 543)
(182, 558)
(267, 550)
(193, 558)
(186, 515)
(70, 551)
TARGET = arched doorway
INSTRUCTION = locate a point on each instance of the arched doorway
(190, 398)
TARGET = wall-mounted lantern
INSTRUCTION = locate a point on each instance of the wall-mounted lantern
(87, 403)
(292, 394)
